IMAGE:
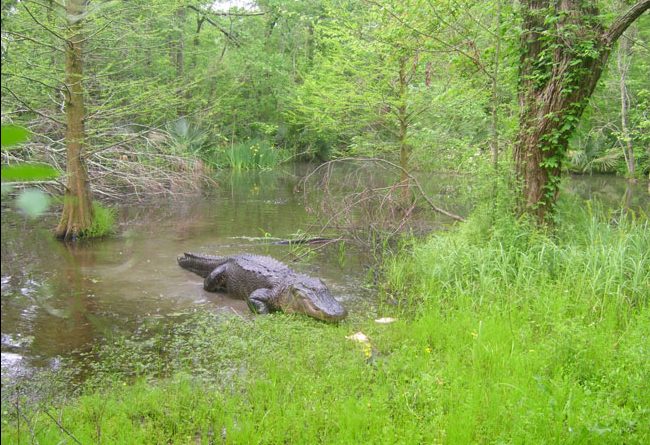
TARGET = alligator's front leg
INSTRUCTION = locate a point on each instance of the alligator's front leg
(216, 280)
(259, 301)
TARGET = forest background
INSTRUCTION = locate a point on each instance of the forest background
(175, 87)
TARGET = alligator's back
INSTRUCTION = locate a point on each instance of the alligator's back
(255, 264)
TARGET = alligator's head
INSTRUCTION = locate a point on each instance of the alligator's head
(311, 296)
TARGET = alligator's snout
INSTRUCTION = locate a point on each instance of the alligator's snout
(319, 304)
(336, 313)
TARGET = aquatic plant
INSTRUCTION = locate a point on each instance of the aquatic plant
(103, 221)
(253, 154)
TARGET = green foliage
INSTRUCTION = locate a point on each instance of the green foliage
(186, 138)
(190, 139)
(33, 202)
(252, 154)
(600, 139)
(28, 172)
(534, 322)
(103, 221)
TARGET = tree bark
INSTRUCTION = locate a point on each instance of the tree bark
(564, 52)
(403, 120)
(402, 135)
(77, 216)
(624, 55)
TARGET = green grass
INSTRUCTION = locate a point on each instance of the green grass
(538, 338)
(505, 335)
(103, 221)
(253, 154)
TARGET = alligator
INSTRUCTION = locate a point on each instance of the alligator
(266, 284)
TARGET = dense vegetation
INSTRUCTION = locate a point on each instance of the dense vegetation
(505, 336)
(528, 323)
(182, 88)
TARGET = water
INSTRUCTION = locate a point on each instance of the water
(58, 299)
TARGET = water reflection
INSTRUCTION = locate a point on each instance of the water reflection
(612, 192)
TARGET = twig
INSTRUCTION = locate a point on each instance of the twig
(402, 170)
(62, 428)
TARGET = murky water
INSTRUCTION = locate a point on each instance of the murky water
(57, 298)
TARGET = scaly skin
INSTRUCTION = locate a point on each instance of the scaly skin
(266, 284)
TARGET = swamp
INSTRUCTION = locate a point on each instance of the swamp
(470, 181)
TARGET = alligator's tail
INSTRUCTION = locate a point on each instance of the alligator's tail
(200, 264)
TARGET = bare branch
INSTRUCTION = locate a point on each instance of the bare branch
(44, 26)
(62, 428)
(30, 108)
(402, 170)
(232, 14)
(215, 24)
(22, 36)
(31, 79)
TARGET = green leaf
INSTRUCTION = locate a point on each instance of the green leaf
(28, 172)
(33, 202)
(13, 135)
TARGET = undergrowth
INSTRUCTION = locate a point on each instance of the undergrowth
(103, 221)
(253, 154)
(504, 335)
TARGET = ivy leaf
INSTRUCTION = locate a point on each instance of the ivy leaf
(13, 135)
(28, 172)
(33, 202)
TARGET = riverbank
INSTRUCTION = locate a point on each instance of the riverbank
(503, 335)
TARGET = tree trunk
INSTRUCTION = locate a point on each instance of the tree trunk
(403, 120)
(564, 51)
(77, 214)
(178, 60)
(494, 108)
(623, 64)
(197, 41)
(178, 47)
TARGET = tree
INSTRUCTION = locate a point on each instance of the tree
(564, 49)
(370, 79)
(623, 59)
(90, 79)
(77, 216)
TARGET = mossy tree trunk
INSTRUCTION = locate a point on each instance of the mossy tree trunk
(77, 215)
(564, 51)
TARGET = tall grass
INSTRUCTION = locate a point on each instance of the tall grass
(104, 221)
(538, 338)
(516, 337)
(253, 154)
